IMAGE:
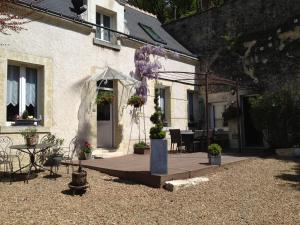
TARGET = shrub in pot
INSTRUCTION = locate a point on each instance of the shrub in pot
(159, 151)
(30, 135)
(214, 154)
(87, 150)
(141, 148)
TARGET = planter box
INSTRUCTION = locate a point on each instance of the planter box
(159, 156)
(141, 151)
(26, 122)
(215, 159)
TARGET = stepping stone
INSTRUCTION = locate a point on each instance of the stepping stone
(175, 185)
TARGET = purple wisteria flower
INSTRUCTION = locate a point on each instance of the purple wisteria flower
(147, 66)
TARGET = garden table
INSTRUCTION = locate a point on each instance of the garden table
(32, 151)
(187, 137)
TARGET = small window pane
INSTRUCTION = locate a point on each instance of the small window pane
(106, 23)
(12, 98)
(191, 106)
(98, 18)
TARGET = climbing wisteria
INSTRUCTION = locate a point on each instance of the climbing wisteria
(147, 66)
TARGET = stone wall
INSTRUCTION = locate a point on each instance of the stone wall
(203, 33)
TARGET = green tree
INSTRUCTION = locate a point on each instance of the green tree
(166, 10)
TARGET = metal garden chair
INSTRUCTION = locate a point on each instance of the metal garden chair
(68, 155)
(7, 156)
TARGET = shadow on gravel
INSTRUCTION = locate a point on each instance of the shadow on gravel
(18, 177)
(121, 181)
(293, 176)
(71, 193)
(52, 176)
(258, 153)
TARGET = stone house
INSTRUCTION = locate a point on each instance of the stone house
(45, 70)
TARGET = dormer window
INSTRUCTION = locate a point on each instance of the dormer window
(104, 21)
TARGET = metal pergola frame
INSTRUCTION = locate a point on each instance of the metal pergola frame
(205, 79)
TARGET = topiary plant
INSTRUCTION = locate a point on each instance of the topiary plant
(214, 149)
(156, 132)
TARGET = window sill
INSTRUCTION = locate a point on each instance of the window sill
(19, 129)
(107, 44)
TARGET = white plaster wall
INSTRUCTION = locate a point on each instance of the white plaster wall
(74, 56)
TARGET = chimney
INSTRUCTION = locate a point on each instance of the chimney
(204, 4)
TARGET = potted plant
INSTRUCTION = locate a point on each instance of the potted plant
(214, 154)
(136, 101)
(105, 97)
(159, 152)
(141, 148)
(87, 150)
(30, 135)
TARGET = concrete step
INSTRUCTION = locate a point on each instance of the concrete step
(175, 185)
(106, 153)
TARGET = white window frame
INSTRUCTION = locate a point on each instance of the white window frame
(102, 24)
(22, 90)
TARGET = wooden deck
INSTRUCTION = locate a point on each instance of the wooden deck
(136, 167)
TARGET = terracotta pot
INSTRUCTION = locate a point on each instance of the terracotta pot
(142, 151)
(30, 141)
(81, 155)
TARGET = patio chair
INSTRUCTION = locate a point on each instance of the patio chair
(51, 157)
(176, 139)
(70, 153)
(7, 156)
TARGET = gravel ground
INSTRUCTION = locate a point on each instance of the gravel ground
(258, 191)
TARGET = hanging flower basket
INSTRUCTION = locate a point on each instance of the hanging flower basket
(105, 97)
(136, 101)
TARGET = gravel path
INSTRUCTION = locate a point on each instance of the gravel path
(258, 191)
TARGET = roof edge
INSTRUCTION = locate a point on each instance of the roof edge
(82, 22)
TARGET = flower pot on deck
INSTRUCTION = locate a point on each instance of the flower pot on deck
(159, 156)
(215, 159)
(141, 151)
(88, 156)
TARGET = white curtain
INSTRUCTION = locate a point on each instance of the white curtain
(13, 85)
(31, 86)
(162, 100)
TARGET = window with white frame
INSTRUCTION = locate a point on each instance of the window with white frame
(22, 84)
(163, 104)
(104, 21)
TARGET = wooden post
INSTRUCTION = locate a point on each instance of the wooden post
(206, 111)
(238, 116)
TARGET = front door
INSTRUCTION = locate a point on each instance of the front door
(253, 137)
(105, 122)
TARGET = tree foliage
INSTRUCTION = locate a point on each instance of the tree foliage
(166, 10)
(11, 18)
(278, 113)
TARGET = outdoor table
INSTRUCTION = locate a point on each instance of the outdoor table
(32, 151)
(187, 137)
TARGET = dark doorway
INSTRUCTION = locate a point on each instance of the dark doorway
(253, 137)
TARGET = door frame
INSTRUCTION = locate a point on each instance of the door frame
(112, 116)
